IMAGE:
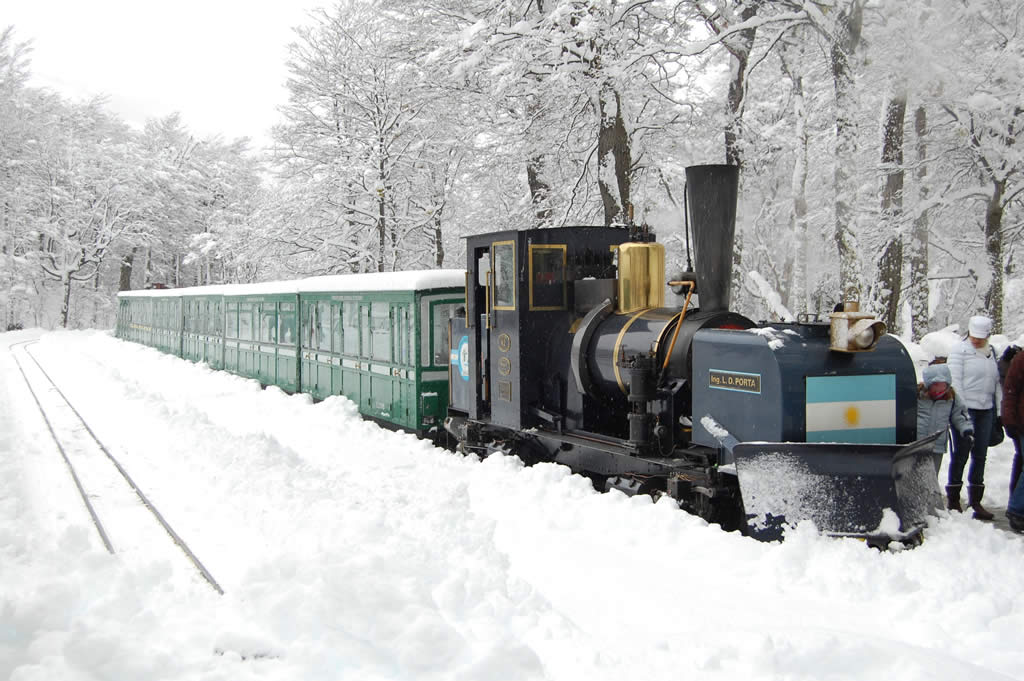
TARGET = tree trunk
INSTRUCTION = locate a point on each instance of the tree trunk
(125, 282)
(438, 241)
(994, 252)
(613, 158)
(890, 268)
(799, 298)
(382, 232)
(65, 308)
(846, 41)
(739, 47)
(395, 255)
(540, 192)
(917, 249)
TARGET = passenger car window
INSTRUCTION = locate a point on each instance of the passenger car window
(308, 332)
(286, 323)
(218, 317)
(231, 320)
(323, 327)
(442, 312)
(400, 333)
(245, 321)
(380, 323)
(267, 323)
(364, 329)
(350, 327)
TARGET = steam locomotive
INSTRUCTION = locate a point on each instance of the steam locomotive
(566, 352)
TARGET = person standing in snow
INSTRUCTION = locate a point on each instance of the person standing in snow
(972, 365)
(1011, 373)
(938, 408)
(1013, 422)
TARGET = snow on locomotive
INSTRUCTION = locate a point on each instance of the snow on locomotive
(567, 353)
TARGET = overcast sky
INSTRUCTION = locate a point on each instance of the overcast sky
(220, 63)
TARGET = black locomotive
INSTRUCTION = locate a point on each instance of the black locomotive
(567, 353)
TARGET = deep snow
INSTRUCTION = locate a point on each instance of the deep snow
(351, 552)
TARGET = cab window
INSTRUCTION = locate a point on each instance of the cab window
(547, 277)
(504, 275)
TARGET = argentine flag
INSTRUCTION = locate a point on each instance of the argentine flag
(852, 409)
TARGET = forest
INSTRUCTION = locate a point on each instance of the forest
(876, 141)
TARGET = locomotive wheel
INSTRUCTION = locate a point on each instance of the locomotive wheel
(724, 512)
(530, 452)
(597, 480)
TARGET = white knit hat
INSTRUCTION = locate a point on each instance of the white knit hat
(979, 326)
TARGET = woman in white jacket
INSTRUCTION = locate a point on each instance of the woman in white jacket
(972, 364)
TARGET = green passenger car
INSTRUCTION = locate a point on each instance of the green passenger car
(379, 339)
(202, 337)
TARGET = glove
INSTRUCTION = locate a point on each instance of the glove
(968, 440)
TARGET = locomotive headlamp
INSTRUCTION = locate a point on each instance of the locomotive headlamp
(866, 332)
(854, 331)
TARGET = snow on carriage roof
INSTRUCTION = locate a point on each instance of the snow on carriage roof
(416, 280)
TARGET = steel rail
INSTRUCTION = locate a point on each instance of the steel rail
(74, 475)
(142, 497)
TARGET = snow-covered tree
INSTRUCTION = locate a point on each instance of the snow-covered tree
(353, 139)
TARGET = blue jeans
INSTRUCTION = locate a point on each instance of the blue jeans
(1016, 505)
(982, 420)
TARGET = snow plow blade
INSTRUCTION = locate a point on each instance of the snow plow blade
(879, 493)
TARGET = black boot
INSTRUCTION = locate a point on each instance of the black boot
(974, 495)
(953, 497)
(1016, 521)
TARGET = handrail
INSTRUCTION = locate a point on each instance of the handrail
(682, 315)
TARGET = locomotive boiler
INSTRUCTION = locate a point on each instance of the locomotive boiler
(566, 352)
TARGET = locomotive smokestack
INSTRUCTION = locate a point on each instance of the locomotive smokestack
(711, 192)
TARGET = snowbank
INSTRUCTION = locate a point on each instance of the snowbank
(350, 552)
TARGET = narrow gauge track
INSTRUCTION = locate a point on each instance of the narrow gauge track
(89, 462)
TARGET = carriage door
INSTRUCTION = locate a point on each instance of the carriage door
(503, 330)
(481, 332)
(365, 353)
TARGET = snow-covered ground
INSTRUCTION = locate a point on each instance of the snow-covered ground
(350, 552)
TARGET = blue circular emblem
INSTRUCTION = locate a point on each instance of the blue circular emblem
(464, 358)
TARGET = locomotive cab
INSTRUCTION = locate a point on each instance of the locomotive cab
(520, 302)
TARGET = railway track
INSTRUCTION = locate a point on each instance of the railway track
(121, 513)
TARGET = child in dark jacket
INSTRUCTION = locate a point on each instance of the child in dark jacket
(938, 408)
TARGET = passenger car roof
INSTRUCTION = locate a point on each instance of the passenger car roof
(415, 280)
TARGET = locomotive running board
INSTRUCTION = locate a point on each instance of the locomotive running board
(879, 493)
